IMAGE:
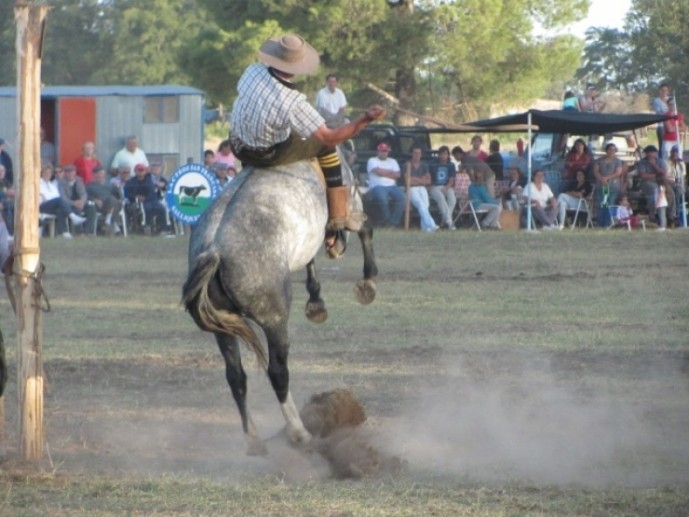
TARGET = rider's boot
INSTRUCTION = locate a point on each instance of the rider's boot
(340, 215)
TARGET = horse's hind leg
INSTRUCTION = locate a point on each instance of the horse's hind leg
(315, 306)
(236, 378)
(278, 373)
(365, 289)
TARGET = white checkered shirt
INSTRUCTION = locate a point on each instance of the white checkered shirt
(266, 111)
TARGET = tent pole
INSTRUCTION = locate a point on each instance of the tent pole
(528, 169)
(680, 153)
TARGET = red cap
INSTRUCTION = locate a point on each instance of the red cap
(140, 167)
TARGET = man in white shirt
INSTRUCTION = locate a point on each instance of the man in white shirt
(331, 103)
(388, 197)
(131, 154)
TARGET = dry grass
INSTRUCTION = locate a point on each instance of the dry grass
(515, 374)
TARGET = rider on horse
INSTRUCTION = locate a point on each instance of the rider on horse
(273, 123)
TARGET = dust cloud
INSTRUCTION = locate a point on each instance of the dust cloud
(524, 423)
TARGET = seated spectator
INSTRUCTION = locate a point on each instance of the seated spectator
(72, 189)
(51, 202)
(457, 153)
(224, 155)
(208, 158)
(569, 200)
(514, 194)
(482, 200)
(625, 214)
(158, 179)
(140, 189)
(106, 197)
(221, 171)
(48, 153)
(124, 173)
(87, 162)
(417, 178)
(577, 158)
(543, 202)
(131, 154)
(383, 173)
(442, 189)
(7, 195)
(495, 161)
(608, 171)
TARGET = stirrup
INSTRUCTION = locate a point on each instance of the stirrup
(352, 222)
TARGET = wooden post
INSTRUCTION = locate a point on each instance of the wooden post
(30, 20)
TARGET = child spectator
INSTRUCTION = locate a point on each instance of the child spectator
(625, 214)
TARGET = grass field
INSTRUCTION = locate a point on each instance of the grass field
(514, 374)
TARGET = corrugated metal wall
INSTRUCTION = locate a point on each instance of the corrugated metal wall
(8, 124)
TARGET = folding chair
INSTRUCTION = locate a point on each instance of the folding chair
(464, 207)
(583, 207)
(615, 221)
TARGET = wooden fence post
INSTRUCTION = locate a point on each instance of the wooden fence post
(30, 21)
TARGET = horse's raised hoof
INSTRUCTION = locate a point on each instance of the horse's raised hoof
(365, 290)
(316, 311)
(255, 447)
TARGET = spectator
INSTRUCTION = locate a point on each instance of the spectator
(224, 155)
(676, 176)
(106, 197)
(483, 201)
(417, 178)
(494, 160)
(123, 175)
(515, 190)
(671, 129)
(457, 153)
(47, 150)
(383, 173)
(131, 154)
(625, 214)
(87, 162)
(543, 202)
(569, 200)
(648, 169)
(7, 196)
(570, 101)
(442, 189)
(220, 170)
(476, 150)
(660, 107)
(590, 102)
(473, 164)
(661, 202)
(331, 103)
(140, 188)
(72, 189)
(7, 162)
(578, 158)
(208, 158)
(607, 171)
(51, 202)
(158, 179)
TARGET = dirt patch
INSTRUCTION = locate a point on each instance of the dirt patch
(335, 419)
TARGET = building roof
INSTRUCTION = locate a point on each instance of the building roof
(110, 90)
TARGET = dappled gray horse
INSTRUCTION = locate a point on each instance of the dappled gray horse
(268, 223)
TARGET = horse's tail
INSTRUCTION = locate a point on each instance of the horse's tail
(197, 302)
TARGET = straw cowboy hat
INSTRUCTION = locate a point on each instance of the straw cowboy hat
(290, 54)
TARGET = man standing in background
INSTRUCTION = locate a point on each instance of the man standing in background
(331, 103)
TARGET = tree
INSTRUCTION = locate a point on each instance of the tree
(606, 60)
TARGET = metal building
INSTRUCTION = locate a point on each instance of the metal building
(167, 119)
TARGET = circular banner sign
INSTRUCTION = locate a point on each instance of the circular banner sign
(189, 192)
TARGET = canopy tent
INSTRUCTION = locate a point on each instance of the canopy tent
(560, 121)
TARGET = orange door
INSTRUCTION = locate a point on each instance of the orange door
(76, 125)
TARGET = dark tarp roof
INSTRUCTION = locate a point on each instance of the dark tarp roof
(560, 121)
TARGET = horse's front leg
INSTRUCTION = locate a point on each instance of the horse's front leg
(315, 306)
(236, 378)
(278, 373)
(365, 288)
